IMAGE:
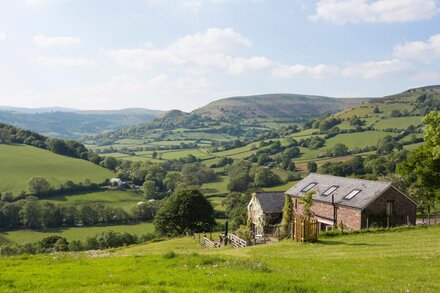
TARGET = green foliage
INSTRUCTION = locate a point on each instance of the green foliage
(38, 185)
(235, 205)
(287, 216)
(432, 132)
(307, 202)
(265, 177)
(312, 167)
(186, 209)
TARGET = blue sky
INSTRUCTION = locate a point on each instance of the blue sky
(182, 54)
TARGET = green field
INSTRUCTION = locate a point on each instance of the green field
(73, 233)
(407, 261)
(357, 139)
(398, 122)
(114, 198)
(19, 163)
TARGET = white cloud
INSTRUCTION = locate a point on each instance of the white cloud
(419, 50)
(52, 41)
(2, 36)
(367, 11)
(318, 71)
(60, 61)
(196, 53)
(373, 69)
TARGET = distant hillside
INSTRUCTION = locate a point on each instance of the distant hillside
(275, 106)
(70, 123)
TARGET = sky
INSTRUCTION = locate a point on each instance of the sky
(183, 54)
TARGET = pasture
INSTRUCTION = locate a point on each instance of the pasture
(125, 199)
(19, 163)
(406, 261)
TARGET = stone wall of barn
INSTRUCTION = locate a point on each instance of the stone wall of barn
(404, 211)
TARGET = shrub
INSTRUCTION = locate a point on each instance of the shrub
(169, 255)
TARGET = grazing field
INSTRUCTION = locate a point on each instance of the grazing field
(19, 163)
(114, 198)
(357, 139)
(398, 122)
(73, 233)
(407, 261)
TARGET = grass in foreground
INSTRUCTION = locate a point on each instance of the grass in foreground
(407, 261)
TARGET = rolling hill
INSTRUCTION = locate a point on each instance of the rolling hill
(19, 163)
(71, 123)
(275, 106)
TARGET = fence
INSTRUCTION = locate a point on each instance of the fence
(236, 241)
(207, 243)
(305, 229)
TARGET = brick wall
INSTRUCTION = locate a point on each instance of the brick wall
(403, 207)
(354, 219)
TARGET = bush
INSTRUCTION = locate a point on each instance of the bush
(169, 255)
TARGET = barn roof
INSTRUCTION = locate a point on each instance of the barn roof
(271, 202)
(356, 193)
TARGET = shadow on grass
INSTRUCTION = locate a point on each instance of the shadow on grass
(329, 242)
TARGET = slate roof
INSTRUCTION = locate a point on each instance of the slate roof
(369, 189)
(271, 202)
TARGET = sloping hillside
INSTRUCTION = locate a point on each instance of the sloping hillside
(19, 163)
(273, 106)
(65, 123)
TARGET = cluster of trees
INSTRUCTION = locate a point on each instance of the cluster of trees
(33, 213)
(420, 172)
(265, 155)
(11, 134)
(427, 103)
(132, 150)
(159, 179)
(400, 113)
(235, 205)
(102, 240)
(371, 167)
(243, 175)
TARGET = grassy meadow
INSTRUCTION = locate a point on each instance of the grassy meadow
(406, 261)
(19, 163)
(125, 199)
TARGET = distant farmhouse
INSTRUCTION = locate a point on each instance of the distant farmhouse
(339, 201)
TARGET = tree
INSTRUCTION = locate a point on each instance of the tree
(396, 113)
(312, 167)
(376, 109)
(30, 213)
(287, 216)
(432, 132)
(339, 150)
(385, 145)
(185, 209)
(149, 188)
(239, 178)
(235, 205)
(264, 177)
(38, 185)
(110, 163)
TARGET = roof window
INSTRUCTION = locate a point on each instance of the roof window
(330, 190)
(352, 194)
(308, 187)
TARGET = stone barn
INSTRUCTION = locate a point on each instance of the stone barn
(354, 203)
(265, 210)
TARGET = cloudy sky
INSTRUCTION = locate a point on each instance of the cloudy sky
(168, 54)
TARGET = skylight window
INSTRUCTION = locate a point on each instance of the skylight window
(308, 187)
(352, 194)
(330, 190)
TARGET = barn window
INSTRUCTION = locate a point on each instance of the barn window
(330, 190)
(308, 187)
(352, 194)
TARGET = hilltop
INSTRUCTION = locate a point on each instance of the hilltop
(275, 106)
